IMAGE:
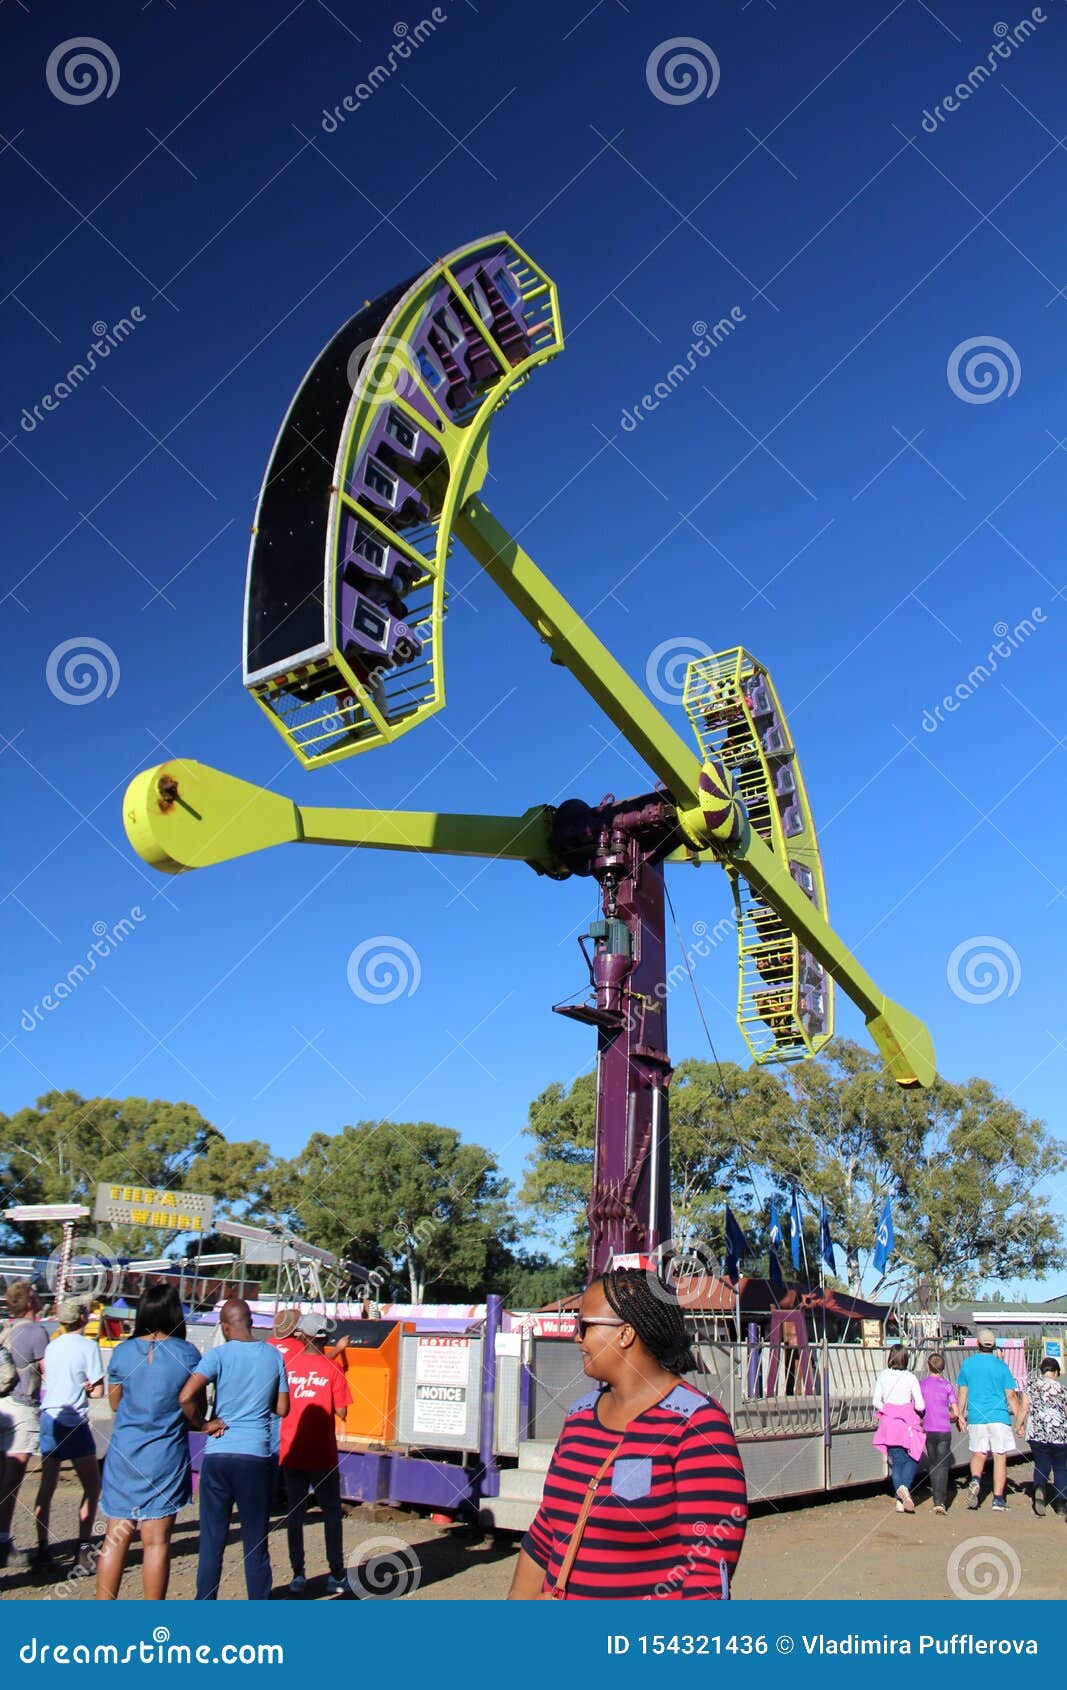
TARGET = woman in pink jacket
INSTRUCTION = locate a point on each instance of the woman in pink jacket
(898, 1405)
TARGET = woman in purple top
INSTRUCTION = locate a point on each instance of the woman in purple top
(941, 1409)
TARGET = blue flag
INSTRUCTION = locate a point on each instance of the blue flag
(795, 1232)
(736, 1247)
(775, 1242)
(826, 1243)
(884, 1238)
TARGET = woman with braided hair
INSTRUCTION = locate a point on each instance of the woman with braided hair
(645, 1494)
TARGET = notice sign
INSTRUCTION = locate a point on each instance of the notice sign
(140, 1205)
(442, 1380)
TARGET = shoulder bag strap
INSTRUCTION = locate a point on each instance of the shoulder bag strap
(559, 1589)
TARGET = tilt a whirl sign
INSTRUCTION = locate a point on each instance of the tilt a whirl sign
(138, 1205)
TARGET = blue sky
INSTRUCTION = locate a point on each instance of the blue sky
(820, 490)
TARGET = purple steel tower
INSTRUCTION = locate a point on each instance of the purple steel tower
(622, 845)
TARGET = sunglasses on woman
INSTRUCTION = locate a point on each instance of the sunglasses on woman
(585, 1321)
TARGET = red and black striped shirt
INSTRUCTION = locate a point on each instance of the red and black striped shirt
(668, 1518)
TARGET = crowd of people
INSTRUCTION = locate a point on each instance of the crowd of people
(644, 1497)
(277, 1410)
(915, 1417)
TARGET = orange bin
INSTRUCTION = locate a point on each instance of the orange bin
(371, 1363)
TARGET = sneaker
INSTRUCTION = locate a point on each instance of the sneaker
(939, 1508)
(904, 1498)
(1039, 1506)
(297, 1584)
(1000, 1505)
(85, 1559)
(900, 1507)
(336, 1587)
(973, 1494)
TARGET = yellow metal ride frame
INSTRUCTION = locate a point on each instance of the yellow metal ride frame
(741, 802)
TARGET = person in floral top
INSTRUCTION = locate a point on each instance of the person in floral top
(1043, 1421)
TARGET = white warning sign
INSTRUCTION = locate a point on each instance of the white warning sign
(442, 1380)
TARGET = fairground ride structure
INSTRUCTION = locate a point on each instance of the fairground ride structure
(375, 472)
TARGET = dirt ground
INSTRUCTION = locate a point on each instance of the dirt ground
(859, 1547)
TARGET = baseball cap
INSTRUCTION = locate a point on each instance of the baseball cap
(987, 1338)
(71, 1310)
(313, 1326)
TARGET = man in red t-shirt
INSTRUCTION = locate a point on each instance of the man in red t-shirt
(318, 1397)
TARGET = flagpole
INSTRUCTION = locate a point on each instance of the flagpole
(827, 1433)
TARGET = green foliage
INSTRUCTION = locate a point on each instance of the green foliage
(435, 1217)
(959, 1162)
(58, 1151)
(534, 1281)
(410, 1199)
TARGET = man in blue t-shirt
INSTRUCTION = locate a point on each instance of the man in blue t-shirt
(989, 1400)
(238, 1468)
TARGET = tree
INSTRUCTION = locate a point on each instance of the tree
(847, 1131)
(407, 1198)
(243, 1177)
(969, 1202)
(534, 1281)
(59, 1150)
(717, 1114)
(959, 1164)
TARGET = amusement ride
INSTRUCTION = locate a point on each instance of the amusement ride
(376, 472)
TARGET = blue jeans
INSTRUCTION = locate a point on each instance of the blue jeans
(247, 1482)
(1050, 1471)
(323, 1487)
(902, 1467)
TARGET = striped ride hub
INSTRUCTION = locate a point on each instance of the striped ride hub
(722, 809)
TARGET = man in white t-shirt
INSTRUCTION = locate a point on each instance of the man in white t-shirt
(73, 1372)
